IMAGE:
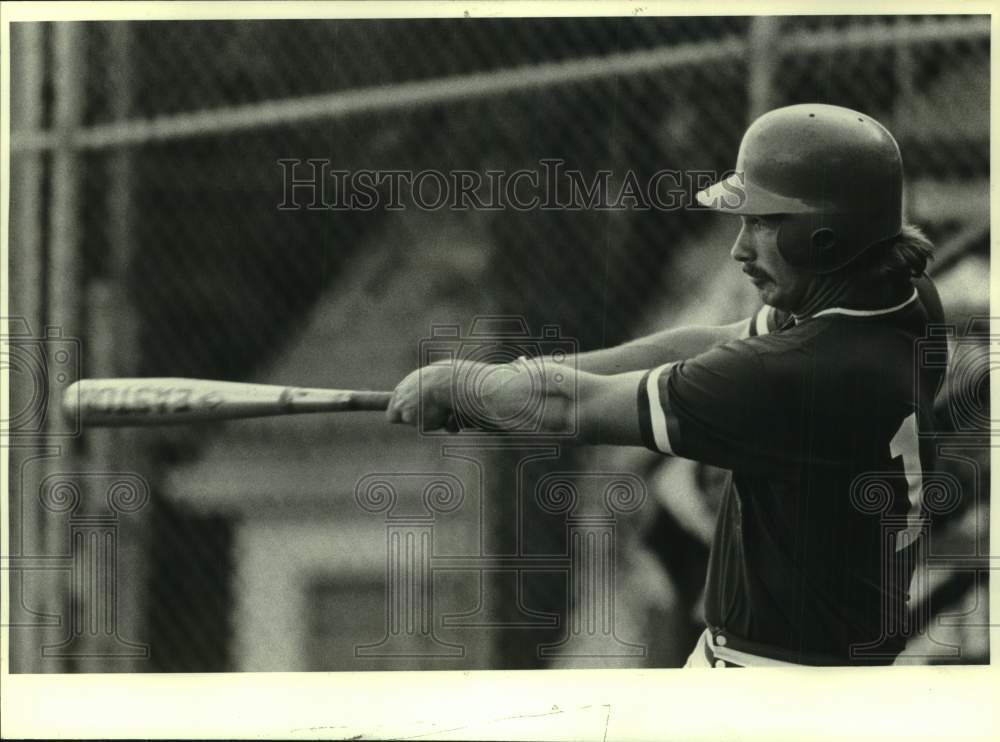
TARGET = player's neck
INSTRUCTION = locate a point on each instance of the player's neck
(847, 293)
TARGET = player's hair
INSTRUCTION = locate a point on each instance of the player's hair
(899, 258)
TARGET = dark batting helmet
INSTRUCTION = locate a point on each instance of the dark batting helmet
(836, 174)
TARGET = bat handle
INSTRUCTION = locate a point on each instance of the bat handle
(373, 401)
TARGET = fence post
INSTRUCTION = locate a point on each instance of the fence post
(26, 302)
(764, 57)
(64, 270)
(113, 337)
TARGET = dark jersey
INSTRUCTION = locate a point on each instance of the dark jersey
(818, 423)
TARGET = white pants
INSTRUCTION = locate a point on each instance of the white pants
(697, 658)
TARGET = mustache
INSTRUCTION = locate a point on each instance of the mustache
(755, 272)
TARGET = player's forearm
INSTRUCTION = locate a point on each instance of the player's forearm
(606, 409)
(666, 346)
(593, 408)
(529, 395)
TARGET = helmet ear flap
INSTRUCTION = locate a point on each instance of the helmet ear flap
(809, 241)
(824, 243)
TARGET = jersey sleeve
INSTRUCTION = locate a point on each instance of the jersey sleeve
(759, 323)
(765, 320)
(721, 408)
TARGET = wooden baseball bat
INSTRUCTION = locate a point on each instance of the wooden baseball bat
(167, 401)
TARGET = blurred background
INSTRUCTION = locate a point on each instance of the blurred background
(146, 235)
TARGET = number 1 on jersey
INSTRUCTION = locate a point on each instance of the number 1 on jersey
(906, 444)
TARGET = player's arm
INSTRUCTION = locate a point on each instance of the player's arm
(675, 344)
(662, 347)
(595, 408)
(722, 407)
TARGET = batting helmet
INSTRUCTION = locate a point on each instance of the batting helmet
(836, 174)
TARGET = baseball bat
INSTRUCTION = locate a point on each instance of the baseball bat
(167, 401)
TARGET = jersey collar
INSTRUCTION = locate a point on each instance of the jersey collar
(860, 312)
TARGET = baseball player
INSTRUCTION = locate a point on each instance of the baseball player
(814, 404)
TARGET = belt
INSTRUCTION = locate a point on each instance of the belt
(713, 659)
(722, 649)
(719, 653)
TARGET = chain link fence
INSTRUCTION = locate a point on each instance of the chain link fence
(160, 213)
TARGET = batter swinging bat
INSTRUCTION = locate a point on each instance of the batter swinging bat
(161, 401)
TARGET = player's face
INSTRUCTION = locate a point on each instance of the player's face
(780, 284)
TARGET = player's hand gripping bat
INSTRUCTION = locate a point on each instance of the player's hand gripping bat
(164, 401)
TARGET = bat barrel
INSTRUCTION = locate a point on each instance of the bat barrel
(166, 401)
